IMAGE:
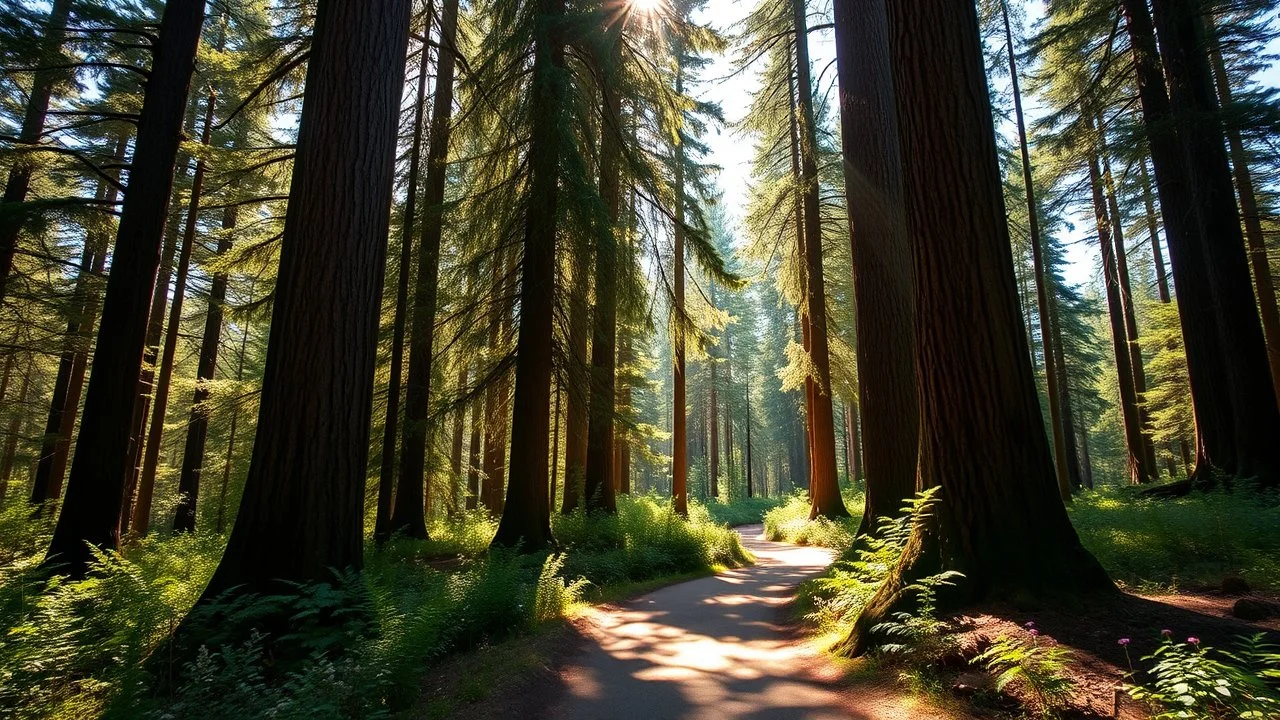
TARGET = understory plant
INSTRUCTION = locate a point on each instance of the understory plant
(1036, 666)
(1192, 681)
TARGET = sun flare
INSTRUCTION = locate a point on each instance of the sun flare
(646, 7)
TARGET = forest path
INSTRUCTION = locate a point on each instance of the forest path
(720, 647)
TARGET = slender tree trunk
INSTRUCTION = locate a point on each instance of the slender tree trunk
(679, 437)
(1157, 256)
(1064, 387)
(160, 404)
(749, 465)
(474, 453)
(1087, 461)
(1000, 519)
(526, 516)
(882, 274)
(220, 522)
(824, 486)
(578, 406)
(555, 446)
(1263, 283)
(15, 432)
(455, 452)
(712, 423)
(318, 381)
(184, 519)
(1060, 449)
(600, 461)
(623, 438)
(408, 515)
(95, 491)
(19, 182)
(383, 524)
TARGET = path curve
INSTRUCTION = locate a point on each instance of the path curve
(719, 647)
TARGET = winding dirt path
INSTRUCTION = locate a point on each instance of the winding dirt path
(720, 647)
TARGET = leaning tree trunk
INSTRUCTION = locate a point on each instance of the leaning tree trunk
(184, 518)
(45, 77)
(160, 404)
(383, 525)
(408, 513)
(600, 462)
(882, 277)
(824, 485)
(526, 517)
(303, 507)
(91, 512)
(1000, 520)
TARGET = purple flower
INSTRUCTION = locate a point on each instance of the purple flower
(1123, 641)
(1035, 632)
(1194, 640)
(1030, 624)
(1167, 632)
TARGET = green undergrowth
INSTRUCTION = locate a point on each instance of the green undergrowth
(1158, 544)
(355, 647)
(789, 522)
(743, 511)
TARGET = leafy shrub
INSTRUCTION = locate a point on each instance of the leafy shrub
(790, 522)
(1039, 668)
(742, 511)
(1193, 681)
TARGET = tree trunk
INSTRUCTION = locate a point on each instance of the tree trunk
(455, 452)
(474, 453)
(1052, 379)
(600, 462)
(578, 405)
(1157, 256)
(15, 431)
(679, 437)
(555, 446)
(712, 424)
(749, 466)
(184, 519)
(37, 110)
(1263, 284)
(302, 512)
(852, 421)
(1068, 415)
(623, 438)
(91, 511)
(824, 486)
(882, 274)
(220, 522)
(383, 524)
(160, 404)
(1000, 519)
(408, 514)
(526, 516)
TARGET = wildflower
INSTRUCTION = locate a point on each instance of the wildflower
(1035, 632)
(1030, 624)
(1167, 632)
(1123, 641)
(1194, 641)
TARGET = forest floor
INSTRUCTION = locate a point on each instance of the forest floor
(724, 646)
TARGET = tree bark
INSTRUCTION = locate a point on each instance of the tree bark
(37, 110)
(91, 511)
(15, 432)
(679, 423)
(160, 404)
(1000, 519)
(220, 523)
(303, 507)
(882, 274)
(526, 516)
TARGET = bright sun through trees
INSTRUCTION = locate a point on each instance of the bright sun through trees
(349, 348)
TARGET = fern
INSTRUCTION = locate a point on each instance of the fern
(1038, 667)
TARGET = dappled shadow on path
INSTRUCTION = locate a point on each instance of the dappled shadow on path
(720, 647)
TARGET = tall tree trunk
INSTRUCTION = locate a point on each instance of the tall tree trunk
(318, 381)
(474, 452)
(220, 521)
(1087, 462)
(749, 466)
(623, 438)
(555, 445)
(600, 461)
(1064, 387)
(184, 519)
(43, 80)
(51, 467)
(1153, 234)
(1263, 283)
(853, 422)
(1130, 315)
(160, 403)
(526, 516)
(712, 423)
(679, 437)
(882, 274)
(383, 524)
(578, 404)
(1060, 449)
(824, 486)
(95, 491)
(1000, 519)
(802, 314)
(455, 452)
(408, 515)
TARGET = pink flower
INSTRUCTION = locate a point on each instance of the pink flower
(1035, 632)
(1030, 624)
(1166, 632)
(1123, 641)
(1194, 640)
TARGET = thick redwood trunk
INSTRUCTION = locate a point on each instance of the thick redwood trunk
(37, 110)
(1000, 519)
(303, 507)
(882, 275)
(95, 491)
(526, 516)
(824, 486)
(184, 519)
